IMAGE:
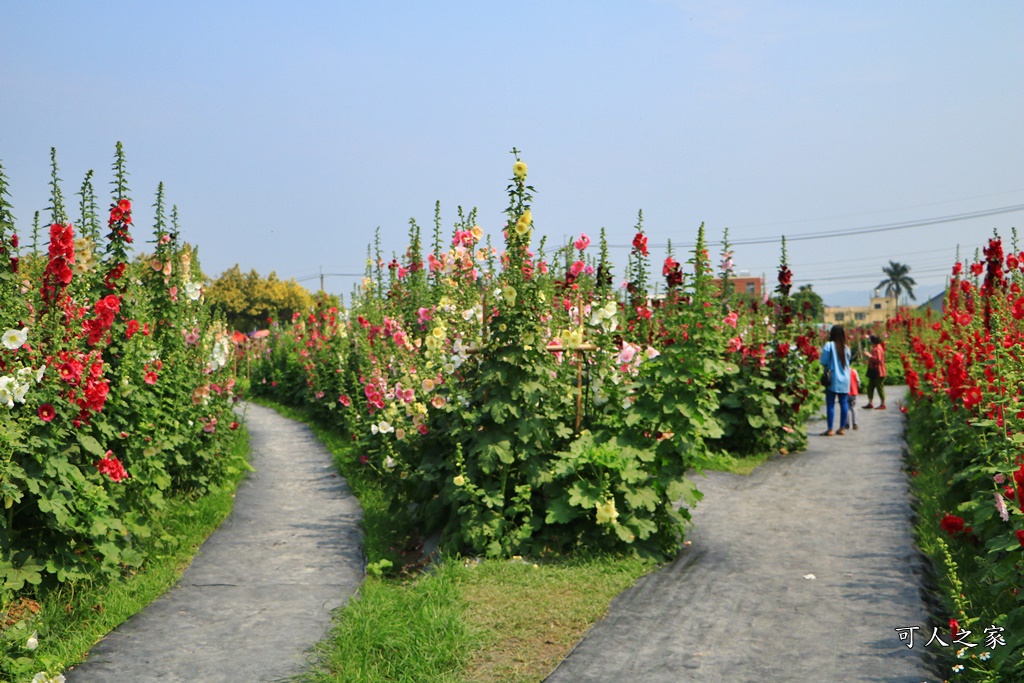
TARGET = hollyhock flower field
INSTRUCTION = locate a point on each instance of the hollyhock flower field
(520, 397)
(100, 419)
(965, 373)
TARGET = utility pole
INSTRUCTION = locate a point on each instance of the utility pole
(321, 279)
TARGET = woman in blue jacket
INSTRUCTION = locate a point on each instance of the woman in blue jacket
(835, 356)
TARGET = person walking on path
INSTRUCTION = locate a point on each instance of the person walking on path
(876, 372)
(854, 388)
(835, 357)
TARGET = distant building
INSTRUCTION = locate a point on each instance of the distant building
(749, 286)
(876, 311)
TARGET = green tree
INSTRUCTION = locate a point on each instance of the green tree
(809, 303)
(897, 281)
(248, 300)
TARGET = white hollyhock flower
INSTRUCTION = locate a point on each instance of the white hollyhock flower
(15, 339)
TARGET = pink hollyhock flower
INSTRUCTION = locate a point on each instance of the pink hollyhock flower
(344, 400)
(576, 268)
(149, 378)
(1001, 506)
(582, 243)
(735, 345)
(627, 353)
(731, 319)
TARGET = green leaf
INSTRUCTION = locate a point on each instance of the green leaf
(644, 497)
(683, 489)
(91, 445)
(560, 511)
(585, 494)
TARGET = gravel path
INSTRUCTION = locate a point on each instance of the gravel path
(261, 589)
(740, 605)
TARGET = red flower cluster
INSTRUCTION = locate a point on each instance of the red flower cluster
(122, 211)
(373, 398)
(112, 467)
(952, 524)
(640, 243)
(113, 275)
(672, 272)
(105, 310)
(61, 254)
(785, 281)
(807, 349)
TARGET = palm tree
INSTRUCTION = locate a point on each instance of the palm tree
(897, 281)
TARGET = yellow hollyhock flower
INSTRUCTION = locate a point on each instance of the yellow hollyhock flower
(519, 170)
(459, 480)
(524, 222)
(606, 512)
(477, 231)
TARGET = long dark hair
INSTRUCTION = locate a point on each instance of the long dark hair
(837, 335)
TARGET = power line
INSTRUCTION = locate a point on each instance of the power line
(847, 232)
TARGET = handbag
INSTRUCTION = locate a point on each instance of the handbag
(826, 377)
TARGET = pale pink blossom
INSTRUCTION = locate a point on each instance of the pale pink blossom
(1001, 507)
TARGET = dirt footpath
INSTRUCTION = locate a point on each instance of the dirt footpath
(260, 592)
(798, 573)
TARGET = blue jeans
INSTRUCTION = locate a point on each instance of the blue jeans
(830, 408)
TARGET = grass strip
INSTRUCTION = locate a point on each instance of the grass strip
(463, 620)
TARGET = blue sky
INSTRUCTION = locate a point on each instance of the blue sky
(286, 133)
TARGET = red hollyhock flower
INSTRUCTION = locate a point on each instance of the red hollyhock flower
(131, 329)
(640, 243)
(112, 467)
(46, 412)
(233, 426)
(1020, 537)
(785, 281)
(952, 524)
(96, 395)
(954, 628)
(972, 397)
(149, 378)
(1018, 309)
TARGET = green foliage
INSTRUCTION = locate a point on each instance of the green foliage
(517, 406)
(249, 302)
(965, 439)
(116, 391)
